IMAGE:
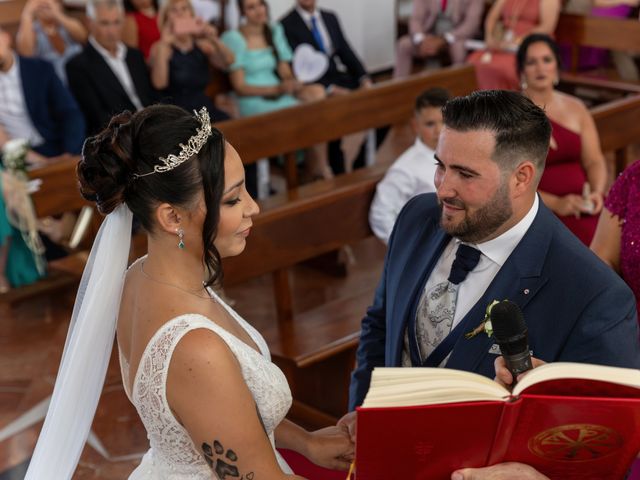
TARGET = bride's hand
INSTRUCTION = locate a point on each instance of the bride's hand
(331, 448)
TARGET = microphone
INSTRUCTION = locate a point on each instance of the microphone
(510, 333)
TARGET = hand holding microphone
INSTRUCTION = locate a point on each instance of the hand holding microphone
(510, 333)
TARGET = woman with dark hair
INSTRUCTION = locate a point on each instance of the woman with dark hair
(575, 175)
(181, 60)
(200, 376)
(261, 75)
(141, 29)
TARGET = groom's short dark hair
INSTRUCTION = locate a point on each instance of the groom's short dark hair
(521, 128)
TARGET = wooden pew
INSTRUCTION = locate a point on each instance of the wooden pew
(617, 124)
(384, 104)
(601, 32)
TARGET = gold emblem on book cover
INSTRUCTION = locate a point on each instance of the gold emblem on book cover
(577, 442)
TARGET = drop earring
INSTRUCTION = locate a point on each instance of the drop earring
(523, 83)
(180, 233)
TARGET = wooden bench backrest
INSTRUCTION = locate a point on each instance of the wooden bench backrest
(601, 32)
(299, 127)
(276, 133)
(311, 220)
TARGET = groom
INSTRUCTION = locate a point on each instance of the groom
(483, 236)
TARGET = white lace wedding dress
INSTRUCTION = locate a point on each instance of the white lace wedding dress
(172, 455)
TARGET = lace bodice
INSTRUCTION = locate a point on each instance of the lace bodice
(173, 456)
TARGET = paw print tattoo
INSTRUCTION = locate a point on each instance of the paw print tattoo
(221, 462)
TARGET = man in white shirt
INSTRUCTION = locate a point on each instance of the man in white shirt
(484, 236)
(108, 77)
(413, 172)
(36, 106)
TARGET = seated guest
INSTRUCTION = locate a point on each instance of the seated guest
(181, 60)
(107, 77)
(437, 26)
(46, 32)
(261, 75)
(507, 23)
(617, 237)
(36, 106)
(306, 24)
(141, 25)
(575, 175)
(413, 172)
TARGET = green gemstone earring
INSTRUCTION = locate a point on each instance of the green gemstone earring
(180, 233)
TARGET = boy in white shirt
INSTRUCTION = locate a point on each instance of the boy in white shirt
(412, 173)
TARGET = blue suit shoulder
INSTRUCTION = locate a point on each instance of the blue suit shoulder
(36, 66)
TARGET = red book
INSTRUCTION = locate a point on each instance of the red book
(569, 421)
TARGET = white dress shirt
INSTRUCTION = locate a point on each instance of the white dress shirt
(324, 33)
(14, 116)
(119, 67)
(494, 254)
(411, 174)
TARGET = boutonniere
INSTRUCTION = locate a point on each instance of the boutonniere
(485, 325)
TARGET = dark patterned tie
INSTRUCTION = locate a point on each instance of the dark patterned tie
(437, 306)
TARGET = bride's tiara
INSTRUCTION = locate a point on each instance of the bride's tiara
(192, 147)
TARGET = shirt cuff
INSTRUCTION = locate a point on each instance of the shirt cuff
(448, 36)
(417, 38)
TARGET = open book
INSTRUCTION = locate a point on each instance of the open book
(568, 420)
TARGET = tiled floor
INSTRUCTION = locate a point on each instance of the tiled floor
(33, 334)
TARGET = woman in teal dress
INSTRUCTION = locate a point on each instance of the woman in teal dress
(17, 261)
(261, 75)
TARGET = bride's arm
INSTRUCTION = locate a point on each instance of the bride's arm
(208, 396)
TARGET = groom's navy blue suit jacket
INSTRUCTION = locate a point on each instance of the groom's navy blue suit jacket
(576, 308)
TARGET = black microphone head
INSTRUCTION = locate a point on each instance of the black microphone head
(508, 326)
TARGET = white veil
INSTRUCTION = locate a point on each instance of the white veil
(86, 353)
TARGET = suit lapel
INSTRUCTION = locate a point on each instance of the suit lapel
(135, 78)
(105, 75)
(29, 85)
(519, 280)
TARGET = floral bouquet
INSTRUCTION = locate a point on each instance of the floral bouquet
(14, 156)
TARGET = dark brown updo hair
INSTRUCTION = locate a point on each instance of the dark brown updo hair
(132, 144)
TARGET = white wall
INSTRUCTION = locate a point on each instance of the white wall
(370, 26)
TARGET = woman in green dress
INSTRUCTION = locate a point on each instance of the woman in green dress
(19, 265)
(261, 74)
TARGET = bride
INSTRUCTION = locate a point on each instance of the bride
(200, 377)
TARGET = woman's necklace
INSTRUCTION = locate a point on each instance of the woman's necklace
(191, 292)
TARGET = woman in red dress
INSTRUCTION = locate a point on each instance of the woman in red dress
(575, 175)
(507, 23)
(141, 25)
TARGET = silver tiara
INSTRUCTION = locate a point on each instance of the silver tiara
(187, 151)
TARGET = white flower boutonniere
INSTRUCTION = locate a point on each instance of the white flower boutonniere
(485, 326)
